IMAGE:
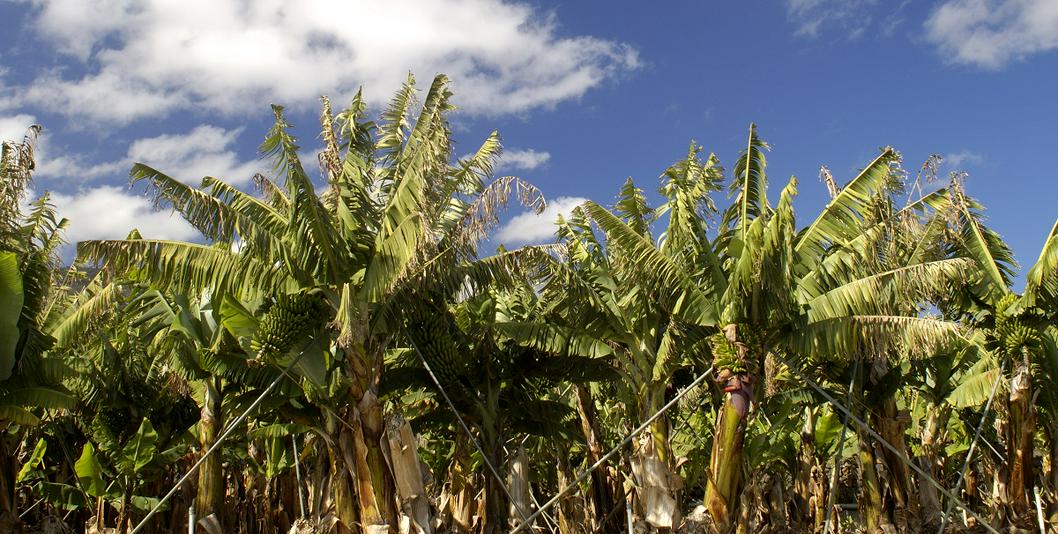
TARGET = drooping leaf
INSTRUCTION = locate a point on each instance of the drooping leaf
(11, 298)
(995, 260)
(1041, 284)
(842, 218)
(236, 318)
(975, 385)
(90, 472)
(140, 449)
(62, 496)
(33, 462)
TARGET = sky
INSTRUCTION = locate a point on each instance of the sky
(584, 94)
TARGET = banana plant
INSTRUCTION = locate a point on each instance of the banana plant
(395, 215)
(496, 385)
(117, 472)
(30, 380)
(1020, 333)
(200, 339)
(598, 303)
(762, 286)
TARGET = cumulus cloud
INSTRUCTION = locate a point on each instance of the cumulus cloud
(155, 57)
(110, 212)
(529, 227)
(204, 151)
(992, 33)
(963, 158)
(522, 159)
(13, 128)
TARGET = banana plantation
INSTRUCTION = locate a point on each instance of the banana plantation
(339, 353)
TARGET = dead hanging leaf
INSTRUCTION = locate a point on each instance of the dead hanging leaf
(518, 482)
(655, 486)
(407, 475)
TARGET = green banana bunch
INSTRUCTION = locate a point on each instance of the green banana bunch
(289, 320)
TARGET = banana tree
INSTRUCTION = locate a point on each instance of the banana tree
(30, 380)
(892, 239)
(394, 216)
(127, 407)
(795, 293)
(1020, 333)
(199, 340)
(761, 286)
(1041, 295)
(598, 302)
(497, 386)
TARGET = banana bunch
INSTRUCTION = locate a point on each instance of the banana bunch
(725, 355)
(289, 320)
(1016, 335)
(108, 426)
(434, 337)
(1011, 331)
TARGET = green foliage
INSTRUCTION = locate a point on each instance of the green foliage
(90, 472)
(139, 451)
(33, 462)
(288, 320)
(357, 279)
(11, 298)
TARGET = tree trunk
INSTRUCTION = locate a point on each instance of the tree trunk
(807, 484)
(407, 473)
(724, 478)
(365, 432)
(1017, 432)
(887, 420)
(374, 483)
(518, 482)
(870, 503)
(777, 516)
(340, 458)
(496, 503)
(269, 515)
(656, 483)
(459, 505)
(1050, 483)
(126, 499)
(573, 513)
(319, 489)
(889, 424)
(210, 497)
(602, 487)
(9, 521)
(932, 438)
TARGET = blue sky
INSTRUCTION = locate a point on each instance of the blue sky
(585, 94)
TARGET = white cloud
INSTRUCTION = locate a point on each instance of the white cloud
(204, 151)
(74, 165)
(14, 128)
(110, 212)
(529, 227)
(522, 159)
(962, 158)
(814, 16)
(159, 56)
(992, 33)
